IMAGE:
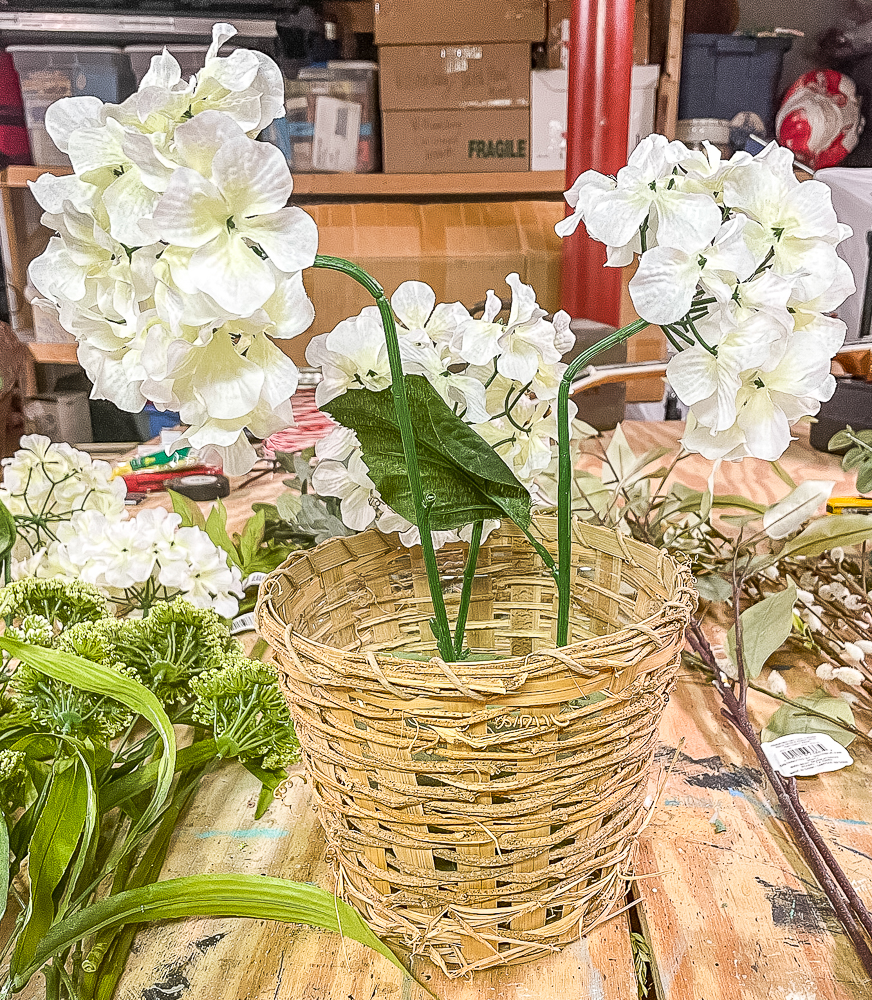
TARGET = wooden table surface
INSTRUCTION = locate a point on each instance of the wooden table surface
(727, 915)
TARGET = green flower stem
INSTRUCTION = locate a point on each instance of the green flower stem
(564, 470)
(466, 592)
(441, 629)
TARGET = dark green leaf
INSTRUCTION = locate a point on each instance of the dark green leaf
(765, 626)
(54, 843)
(254, 896)
(829, 532)
(469, 481)
(864, 479)
(91, 676)
(790, 719)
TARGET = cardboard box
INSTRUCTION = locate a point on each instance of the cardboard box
(447, 142)
(422, 22)
(460, 249)
(416, 77)
(548, 104)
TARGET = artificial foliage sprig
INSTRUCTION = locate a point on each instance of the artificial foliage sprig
(87, 787)
(246, 713)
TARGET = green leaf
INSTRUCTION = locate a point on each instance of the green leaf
(469, 481)
(789, 719)
(5, 861)
(256, 896)
(713, 587)
(790, 513)
(90, 676)
(8, 531)
(251, 538)
(829, 532)
(187, 509)
(269, 782)
(864, 479)
(54, 843)
(765, 626)
(216, 529)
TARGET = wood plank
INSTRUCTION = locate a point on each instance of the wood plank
(533, 183)
(53, 354)
(259, 960)
(667, 94)
(738, 913)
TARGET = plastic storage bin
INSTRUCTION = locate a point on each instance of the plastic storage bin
(189, 57)
(14, 144)
(722, 75)
(331, 122)
(49, 72)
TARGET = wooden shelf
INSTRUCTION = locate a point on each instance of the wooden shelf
(53, 354)
(533, 183)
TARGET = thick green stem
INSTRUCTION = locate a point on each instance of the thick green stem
(466, 592)
(564, 470)
(441, 628)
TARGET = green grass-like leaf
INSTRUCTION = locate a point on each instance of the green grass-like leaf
(90, 676)
(828, 533)
(254, 896)
(469, 481)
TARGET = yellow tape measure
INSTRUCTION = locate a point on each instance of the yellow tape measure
(849, 505)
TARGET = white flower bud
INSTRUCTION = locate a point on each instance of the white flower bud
(809, 580)
(825, 671)
(853, 602)
(825, 593)
(849, 697)
(865, 645)
(837, 554)
(806, 596)
(840, 591)
(851, 651)
(848, 675)
(771, 572)
(776, 682)
(812, 620)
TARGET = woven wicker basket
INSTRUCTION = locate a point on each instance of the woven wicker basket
(485, 812)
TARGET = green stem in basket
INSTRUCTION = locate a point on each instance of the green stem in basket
(466, 592)
(441, 628)
(564, 470)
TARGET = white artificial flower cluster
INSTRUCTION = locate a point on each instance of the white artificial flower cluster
(72, 523)
(45, 484)
(501, 378)
(738, 266)
(176, 258)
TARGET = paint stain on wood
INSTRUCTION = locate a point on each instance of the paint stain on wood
(807, 912)
(711, 772)
(174, 979)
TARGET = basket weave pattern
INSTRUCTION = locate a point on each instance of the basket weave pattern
(482, 812)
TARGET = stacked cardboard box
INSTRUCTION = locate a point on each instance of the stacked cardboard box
(455, 83)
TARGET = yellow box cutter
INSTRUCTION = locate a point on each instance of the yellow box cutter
(849, 505)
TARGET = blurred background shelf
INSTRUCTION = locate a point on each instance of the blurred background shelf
(531, 184)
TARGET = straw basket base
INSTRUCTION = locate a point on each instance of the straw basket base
(484, 812)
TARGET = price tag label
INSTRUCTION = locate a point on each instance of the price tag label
(244, 623)
(804, 754)
(253, 580)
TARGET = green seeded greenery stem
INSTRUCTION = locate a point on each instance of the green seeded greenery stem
(564, 470)
(440, 625)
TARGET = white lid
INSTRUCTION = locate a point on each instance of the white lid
(172, 46)
(697, 129)
(352, 64)
(65, 48)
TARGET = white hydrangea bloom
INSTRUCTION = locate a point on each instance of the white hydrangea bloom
(738, 265)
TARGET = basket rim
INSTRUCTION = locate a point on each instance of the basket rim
(682, 604)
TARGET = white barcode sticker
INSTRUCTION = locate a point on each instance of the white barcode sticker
(253, 580)
(244, 623)
(804, 754)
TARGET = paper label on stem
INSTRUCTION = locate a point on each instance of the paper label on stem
(253, 580)
(804, 754)
(244, 623)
